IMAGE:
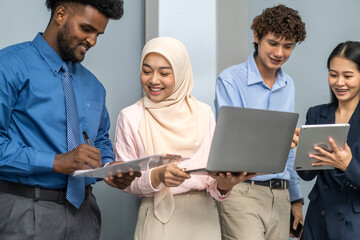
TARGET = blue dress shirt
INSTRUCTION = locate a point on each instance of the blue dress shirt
(242, 86)
(32, 113)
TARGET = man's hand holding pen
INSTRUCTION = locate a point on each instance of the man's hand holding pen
(84, 156)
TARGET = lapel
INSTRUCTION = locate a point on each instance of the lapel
(354, 132)
(327, 115)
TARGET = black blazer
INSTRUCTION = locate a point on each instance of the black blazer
(334, 209)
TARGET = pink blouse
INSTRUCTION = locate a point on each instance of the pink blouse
(128, 146)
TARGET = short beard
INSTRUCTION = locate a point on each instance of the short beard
(68, 54)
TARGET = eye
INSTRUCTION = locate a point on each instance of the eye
(272, 44)
(347, 76)
(146, 72)
(332, 75)
(288, 46)
(85, 29)
(164, 74)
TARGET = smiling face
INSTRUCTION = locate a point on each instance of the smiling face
(344, 79)
(273, 52)
(157, 77)
(79, 32)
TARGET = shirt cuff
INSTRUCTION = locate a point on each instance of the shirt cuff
(107, 164)
(106, 161)
(300, 200)
(294, 192)
(44, 162)
(222, 195)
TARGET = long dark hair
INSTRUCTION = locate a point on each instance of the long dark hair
(349, 50)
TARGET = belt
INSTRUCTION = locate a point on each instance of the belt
(272, 183)
(37, 193)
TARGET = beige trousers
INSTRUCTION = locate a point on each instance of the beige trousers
(254, 212)
(195, 218)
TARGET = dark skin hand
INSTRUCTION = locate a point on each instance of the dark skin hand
(121, 180)
(82, 157)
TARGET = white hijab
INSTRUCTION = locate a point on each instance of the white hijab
(176, 125)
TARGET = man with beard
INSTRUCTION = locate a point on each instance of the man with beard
(47, 100)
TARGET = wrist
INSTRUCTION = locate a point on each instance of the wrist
(222, 188)
(155, 179)
(300, 200)
(59, 158)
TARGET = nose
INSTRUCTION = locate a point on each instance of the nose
(340, 81)
(154, 79)
(91, 40)
(279, 52)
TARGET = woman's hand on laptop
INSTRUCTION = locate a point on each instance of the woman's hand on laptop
(227, 180)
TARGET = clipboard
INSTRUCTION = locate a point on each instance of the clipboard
(140, 164)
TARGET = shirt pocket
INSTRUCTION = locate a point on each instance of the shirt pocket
(93, 112)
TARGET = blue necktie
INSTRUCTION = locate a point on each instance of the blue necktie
(75, 192)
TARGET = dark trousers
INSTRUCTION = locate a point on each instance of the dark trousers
(24, 218)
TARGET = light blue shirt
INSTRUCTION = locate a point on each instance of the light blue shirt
(242, 86)
(32, 113)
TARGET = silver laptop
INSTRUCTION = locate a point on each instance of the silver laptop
(251, 140)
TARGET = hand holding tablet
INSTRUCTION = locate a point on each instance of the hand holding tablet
(316, 146)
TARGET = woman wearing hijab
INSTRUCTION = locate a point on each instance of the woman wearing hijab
(168, 119)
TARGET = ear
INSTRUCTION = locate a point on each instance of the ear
(60, 15)
(256, 38)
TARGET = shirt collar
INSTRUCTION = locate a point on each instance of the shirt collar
(50, 56)
(254, 75)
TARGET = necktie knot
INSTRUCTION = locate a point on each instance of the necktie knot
(65, 67)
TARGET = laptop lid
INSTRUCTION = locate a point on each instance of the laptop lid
(251, 140)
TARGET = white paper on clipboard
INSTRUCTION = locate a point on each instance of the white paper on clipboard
(140, 164)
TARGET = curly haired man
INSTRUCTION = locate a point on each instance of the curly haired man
(260, 207)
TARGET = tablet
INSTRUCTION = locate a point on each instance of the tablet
(311, 135)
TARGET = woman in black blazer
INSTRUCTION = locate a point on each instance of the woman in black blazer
(334, 209)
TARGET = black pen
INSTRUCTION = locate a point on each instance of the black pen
(86, 137)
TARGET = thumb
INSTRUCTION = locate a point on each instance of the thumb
(346, 147)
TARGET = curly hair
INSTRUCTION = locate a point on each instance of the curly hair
(281, 21)
(112, 9)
